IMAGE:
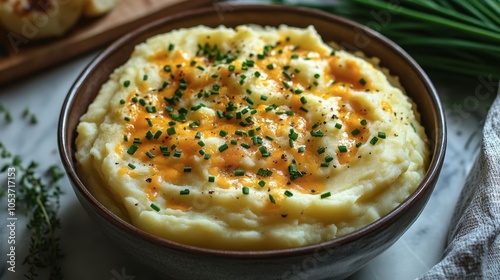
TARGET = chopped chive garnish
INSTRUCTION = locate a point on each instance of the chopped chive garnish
(187, 169)
(184, 192)
(358, 144)
(223, 133)
(211, 179)
(294, 56)
(157, 134)
(171, 131)
(263, 151)
(324, 164)
(355, 132)
(301, 149)
(154, 207)
(127, 119)
(150, 154)
(249, 100)
(163, 148)
(240, 133)
(245, 145)
(200, 68)
(263, 97)
(362, 81)
(122, 101)
(321, 150)
(325, 195)
(207, 156)
(201, 143)
(270, 66)
(131, 166)
(381, 135)
(234, 142)
(287, 75)
(374, 140)
(303, 100)
(288, 193)
(271, 198)
(264, 172)
(126, 83)
(132, 149)
(223, 147)
(125, 138)
(167, 68)
(342, 149)
(363, 122)
(177, 154)
(328, 158)
(338, 125)
(257, 74)
(239, 172)
(245, 190)
(317, 133)
(304, 109)
(231, 67)
(149, 135)
(262, 183)
(171, 47)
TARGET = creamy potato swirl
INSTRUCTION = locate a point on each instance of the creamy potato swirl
(251, 138)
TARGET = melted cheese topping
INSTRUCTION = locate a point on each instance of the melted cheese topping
(250, 138)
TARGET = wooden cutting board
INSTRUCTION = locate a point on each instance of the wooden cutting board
(19, 58)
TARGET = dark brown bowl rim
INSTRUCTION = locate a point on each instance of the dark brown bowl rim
(425, 186)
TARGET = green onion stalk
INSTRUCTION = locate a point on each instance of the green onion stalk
(449, 36)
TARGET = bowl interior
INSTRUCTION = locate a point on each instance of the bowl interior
(349, 35)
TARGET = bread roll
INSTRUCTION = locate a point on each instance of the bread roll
(38, 19)
(94, 8)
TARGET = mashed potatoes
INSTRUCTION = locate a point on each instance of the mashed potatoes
(249, 139)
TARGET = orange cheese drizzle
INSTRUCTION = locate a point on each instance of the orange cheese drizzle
(264, 123)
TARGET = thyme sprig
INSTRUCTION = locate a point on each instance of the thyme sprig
(6, 113)
(38, 196)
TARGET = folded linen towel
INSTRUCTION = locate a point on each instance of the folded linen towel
(473, 249)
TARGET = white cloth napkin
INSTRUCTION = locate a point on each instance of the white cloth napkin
(473, 249)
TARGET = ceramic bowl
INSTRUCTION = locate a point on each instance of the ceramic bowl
(337, 258)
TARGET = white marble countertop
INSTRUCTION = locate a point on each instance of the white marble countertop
(88, 253)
